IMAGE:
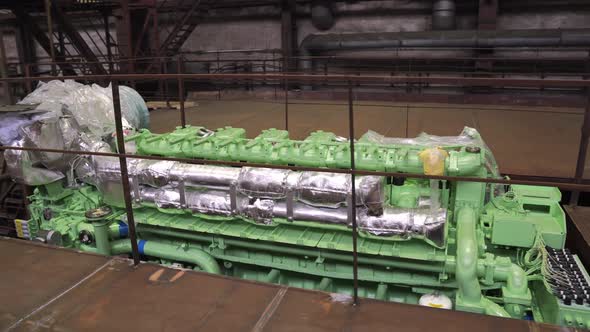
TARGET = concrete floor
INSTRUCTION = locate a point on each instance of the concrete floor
(525, 140)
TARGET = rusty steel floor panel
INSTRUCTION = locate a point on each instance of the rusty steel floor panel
(578, 231)
(32, 275)
(50, 289)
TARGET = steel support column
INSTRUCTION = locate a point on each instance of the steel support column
(25, 44)
(7, 96)
(107, 34)
(77, 41)
(287, 34)
(50, 33)
(486, 20)
(33, 29)
(125, 39)
(582, 152)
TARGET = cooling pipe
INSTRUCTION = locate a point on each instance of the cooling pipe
(315, 44)
(170, 251)
(443, 15)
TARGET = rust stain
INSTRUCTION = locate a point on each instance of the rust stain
(325, 304)
(91, 315)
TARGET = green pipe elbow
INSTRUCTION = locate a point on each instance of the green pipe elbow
(87, 248)
(493, 309)
(114, 229)
(517, 281)
(172, 252)
(467, 257)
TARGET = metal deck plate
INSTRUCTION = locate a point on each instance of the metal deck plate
(32, 275)
(578, 231)
(49, 289)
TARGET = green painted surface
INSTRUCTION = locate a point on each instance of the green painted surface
(479, 266)
(320, 149)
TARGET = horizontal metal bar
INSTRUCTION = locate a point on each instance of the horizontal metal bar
(564, 186)
(300, 78)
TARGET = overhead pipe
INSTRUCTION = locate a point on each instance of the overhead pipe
(443, 15)
(315, 44)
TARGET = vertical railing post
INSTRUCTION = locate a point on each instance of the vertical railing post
(286, 104)
(124, 172)
(50, 33)
(583, 149)
(28, 83)
(108, 41)
(167, 61)
(179, 70)
(353, 197)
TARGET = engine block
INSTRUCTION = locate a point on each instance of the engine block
(469, 246)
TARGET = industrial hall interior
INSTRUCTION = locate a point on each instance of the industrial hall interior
(294, 165)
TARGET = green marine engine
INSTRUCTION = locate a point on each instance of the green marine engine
(468, 246)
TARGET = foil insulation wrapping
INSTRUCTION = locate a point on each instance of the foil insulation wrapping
(161, 173)
(46, 134)
(20, 165)
(261, 194)
(207, 202)
(329, 190)
(38, 168)
(421, 221)
(264, 183)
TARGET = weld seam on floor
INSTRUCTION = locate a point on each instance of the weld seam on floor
(58, 296)
(270, 310)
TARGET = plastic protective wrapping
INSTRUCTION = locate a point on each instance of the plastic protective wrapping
(10, 130)
(133, 100)
(87, 105)
(92, 106)
(469, 137)
(51, 92)
(51, 96)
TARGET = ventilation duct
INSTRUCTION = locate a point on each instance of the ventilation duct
(315, 44)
